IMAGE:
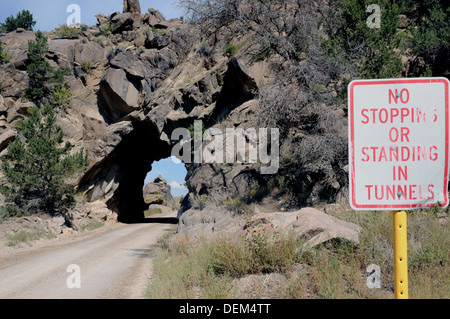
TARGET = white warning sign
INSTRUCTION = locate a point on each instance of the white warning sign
(398, 143)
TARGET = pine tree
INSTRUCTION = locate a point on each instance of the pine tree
(39, 70)
(23, 19)
(39, 165)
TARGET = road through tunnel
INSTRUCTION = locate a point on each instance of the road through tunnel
(119, 179)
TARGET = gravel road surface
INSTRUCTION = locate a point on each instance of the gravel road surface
(113, 264)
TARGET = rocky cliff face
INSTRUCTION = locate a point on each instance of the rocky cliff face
(134, 79)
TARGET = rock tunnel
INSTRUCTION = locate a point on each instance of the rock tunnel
(134, 157)
(124, 171)
(117, 179)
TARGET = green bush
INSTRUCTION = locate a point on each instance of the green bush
(99, 41)
(86, 66)
(4, 56)
(207, 269)
(152, 211)
(186, 273)
(430, 35)
(237, 205)
(374, 52)
(232, 49)
(66, 32)
(92, 225)
(23, 19)
(106, 29)
(158, 32)
(60, 96)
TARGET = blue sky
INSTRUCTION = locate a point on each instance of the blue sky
(171, 170)
(50, 14)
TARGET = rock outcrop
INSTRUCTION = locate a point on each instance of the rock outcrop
(158, 192)
(131, 6)
(312, 225)
(134, 79)
(122, 22)
(6, 137)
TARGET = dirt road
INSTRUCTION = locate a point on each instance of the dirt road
(112, 263)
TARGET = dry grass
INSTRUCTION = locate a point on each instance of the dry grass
(266, 267)
(28, 235)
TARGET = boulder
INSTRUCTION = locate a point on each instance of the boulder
(58, 220)
(63, 48)
(168, 24)
(139, 42)
(161, 60)
(199, 223)
(131, 64)
(158, 192)
(102, 19)
(153, 17)
(20, 109)
(119, 95)
(92, 32)
(157, 42)
(13, 82)
(58, 60)
(122, 22)
(16, 45)
(309, 223)
(3, 107)
(6, 137)
(89, 52)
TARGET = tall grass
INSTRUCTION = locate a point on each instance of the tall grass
(214, 268)
(428, 252)
(183, 272)
(258, 254)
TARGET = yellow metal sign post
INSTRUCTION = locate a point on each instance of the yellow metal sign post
(400, 255)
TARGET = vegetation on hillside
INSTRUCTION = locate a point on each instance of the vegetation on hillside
(39, 163)
(66, 32)
(4, 56)
(315, 48)
(23, 19)
(38, 166)
(41, 74)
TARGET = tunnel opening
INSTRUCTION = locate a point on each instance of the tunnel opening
(134, 157)
(164, 185)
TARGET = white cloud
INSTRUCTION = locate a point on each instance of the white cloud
(175, 184)
(177, 189)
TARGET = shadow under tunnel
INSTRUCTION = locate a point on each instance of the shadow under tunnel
(161, 220)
